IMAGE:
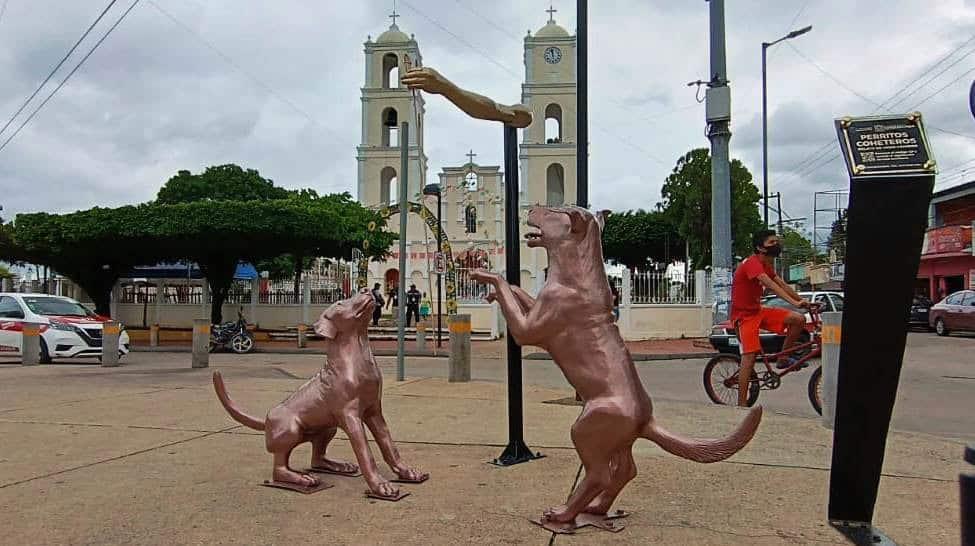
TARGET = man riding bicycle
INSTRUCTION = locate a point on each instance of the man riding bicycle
(756, 273)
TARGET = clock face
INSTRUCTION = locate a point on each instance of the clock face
(553, 55)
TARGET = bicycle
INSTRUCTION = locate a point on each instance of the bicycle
(721, 372)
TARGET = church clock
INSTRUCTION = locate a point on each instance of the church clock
(553, 55)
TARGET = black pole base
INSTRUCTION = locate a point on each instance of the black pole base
(862, 534)
(516, 453)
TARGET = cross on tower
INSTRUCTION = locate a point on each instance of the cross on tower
(551, 13)
(394, 15)
(470, 156)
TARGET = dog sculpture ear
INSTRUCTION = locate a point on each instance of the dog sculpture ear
(577, 219)
(325, 327)
(601, 217)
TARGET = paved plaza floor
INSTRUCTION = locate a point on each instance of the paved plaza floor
(145, 454)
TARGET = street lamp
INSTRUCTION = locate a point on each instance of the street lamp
(434, 189)
(765, 46)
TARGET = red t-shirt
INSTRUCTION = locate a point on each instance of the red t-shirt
(746, 289)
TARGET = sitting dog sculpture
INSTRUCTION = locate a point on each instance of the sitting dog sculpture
(572, 319)
(345, 394)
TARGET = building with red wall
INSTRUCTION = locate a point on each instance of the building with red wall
(948, 259)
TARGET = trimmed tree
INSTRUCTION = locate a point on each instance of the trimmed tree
(633, 238)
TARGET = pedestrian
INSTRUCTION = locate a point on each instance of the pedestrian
(377, 311)
(424, 307)
(412, 304)
(616, 300)
(393, 300)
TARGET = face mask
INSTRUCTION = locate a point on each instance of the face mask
(773, 251)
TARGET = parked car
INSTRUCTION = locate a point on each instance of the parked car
(68, 328)
(920, 310)
(956, 312)
(723, 338)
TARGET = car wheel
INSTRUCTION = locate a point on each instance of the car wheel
(45, 354)
(939, 327)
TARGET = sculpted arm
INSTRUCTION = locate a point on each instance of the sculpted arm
(528, 326)
(524, 298)
(473, 104)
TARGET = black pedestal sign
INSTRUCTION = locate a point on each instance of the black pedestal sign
(891, 179)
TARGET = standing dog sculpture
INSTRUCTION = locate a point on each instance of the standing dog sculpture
(572, 319)
(346, 394)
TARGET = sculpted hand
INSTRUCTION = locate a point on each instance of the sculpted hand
(486, 277)
(491, 297)
(427, 79)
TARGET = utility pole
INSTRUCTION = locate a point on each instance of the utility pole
(718, 115)
(582, 106)
(404, 211)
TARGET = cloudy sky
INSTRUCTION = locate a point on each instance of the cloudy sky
(182, 84)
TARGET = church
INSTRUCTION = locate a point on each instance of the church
(472, 194)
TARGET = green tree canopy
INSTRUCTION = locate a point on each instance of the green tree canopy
(687, 204)
(797, 248)
(219, 183)
(633, 238)
(95, 247)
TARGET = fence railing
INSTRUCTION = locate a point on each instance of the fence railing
(469, 290)
(658, 287)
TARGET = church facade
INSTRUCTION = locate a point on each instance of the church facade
(472, 194)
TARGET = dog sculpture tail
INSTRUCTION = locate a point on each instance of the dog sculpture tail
(231, 407)
(705, 451)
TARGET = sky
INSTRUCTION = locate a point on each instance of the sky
(275, 86)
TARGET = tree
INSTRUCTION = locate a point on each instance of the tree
(687, 204)
(634, 238)
(95, 247)
(797, 248)
(219, 183)
(5, 272)
(837, 238)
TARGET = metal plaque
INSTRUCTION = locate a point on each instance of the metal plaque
(885, 146)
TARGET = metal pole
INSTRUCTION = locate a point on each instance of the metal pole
(720, 134)
(439, 274)
(582, 106)
(765, 132)
(404, 146)
(516, 450)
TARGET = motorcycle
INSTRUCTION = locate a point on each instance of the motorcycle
(232, 335)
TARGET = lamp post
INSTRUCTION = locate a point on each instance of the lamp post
(434, 189)
(765, 46)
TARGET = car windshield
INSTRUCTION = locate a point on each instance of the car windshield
(775, 301)
(56, 307)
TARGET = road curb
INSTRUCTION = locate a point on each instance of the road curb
(424, 354)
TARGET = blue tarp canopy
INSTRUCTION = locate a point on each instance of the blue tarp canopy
(183, 270)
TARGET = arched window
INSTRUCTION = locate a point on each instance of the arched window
(388, 186)
(553, 124)
(470, 181)
(390, 71)
(470, 219)
(390, 127)
(555, 185)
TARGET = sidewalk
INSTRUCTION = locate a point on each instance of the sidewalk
(145, 454)
(658, 349)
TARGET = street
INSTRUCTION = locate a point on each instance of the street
(937, 383)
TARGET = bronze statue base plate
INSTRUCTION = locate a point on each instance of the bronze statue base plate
(404, 480)
(304, 489)
(322, 470)
(399, 496)
(605, 522)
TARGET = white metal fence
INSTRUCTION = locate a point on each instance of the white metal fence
(469, 290)
(658, 287)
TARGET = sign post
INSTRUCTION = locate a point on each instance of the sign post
(891, 179)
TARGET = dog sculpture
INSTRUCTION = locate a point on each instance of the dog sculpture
(346, 394)
(572, 319)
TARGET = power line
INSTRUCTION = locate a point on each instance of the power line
(939, 91)
(497, 63)
(931, 68)
(826, 73)
(226, 58)
(56, 67)
(66, 78)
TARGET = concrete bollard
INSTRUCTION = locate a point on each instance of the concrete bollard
(966, 482)
(421, 336)
(201, 343)
(832, 333)
(460, 348)
(5, 285)
(110, 335)
(30, 348)
(154, 335)
(302, 336)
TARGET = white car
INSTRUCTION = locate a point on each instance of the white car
(68, 329)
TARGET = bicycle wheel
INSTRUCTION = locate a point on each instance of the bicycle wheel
(721, 381)
(816, 390)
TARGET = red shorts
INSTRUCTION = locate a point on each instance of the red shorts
(771, 319)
